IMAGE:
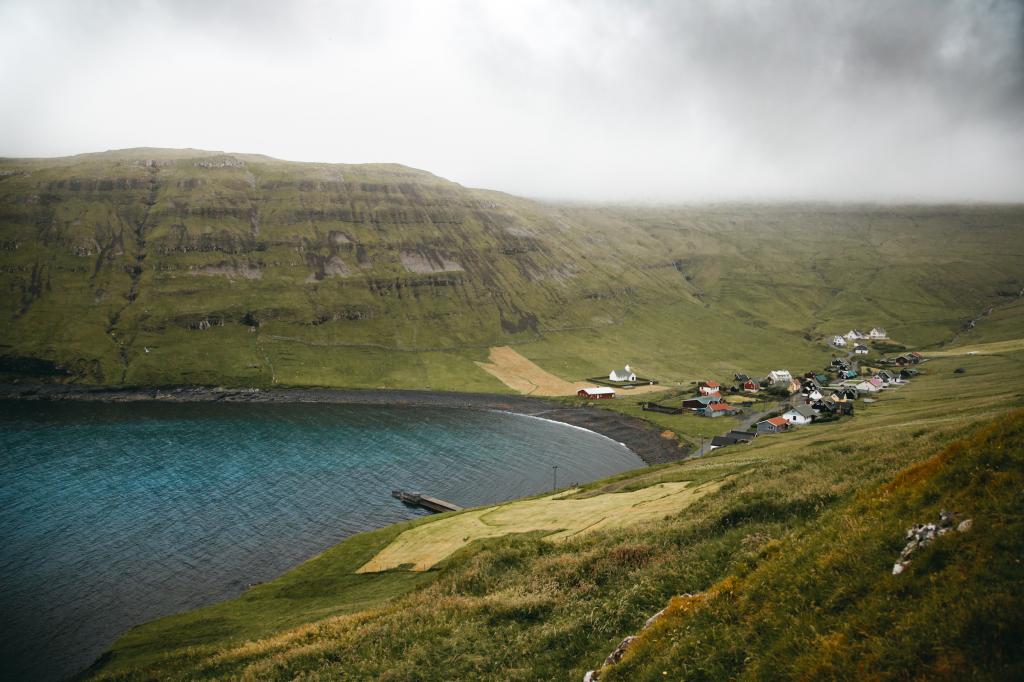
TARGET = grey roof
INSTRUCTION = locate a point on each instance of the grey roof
(803, 410)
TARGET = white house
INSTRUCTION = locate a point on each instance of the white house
(799, 415)
(838, 341)
(877, 333)
(861, 349)
(867, 387)
(710, 387)
(814, 395)
(855, 334)
(780, 376)
(625, 374)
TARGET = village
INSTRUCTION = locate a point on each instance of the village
(786, 401)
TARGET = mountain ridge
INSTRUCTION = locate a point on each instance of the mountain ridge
(148, 266)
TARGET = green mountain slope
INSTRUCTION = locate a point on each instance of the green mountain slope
(785, 571)
(157, 266)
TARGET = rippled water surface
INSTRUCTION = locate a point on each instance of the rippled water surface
(111, 515)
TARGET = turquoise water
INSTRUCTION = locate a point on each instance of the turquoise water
(112, 515)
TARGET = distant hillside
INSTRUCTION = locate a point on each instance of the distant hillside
(153, 266)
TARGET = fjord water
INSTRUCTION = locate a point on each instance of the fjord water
(115, 514)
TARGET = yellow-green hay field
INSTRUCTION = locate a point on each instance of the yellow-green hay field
(564, 517)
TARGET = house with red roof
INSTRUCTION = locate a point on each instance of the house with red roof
(710, 387)
(718, 410)
(773, 425)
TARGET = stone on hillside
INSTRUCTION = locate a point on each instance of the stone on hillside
(650, 621)
(620, 651)
(922, 534)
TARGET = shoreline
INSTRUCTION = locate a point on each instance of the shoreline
(642, 438)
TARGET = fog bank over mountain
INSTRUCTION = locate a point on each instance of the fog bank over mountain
(915, 100)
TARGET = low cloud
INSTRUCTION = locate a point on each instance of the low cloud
(914, 100)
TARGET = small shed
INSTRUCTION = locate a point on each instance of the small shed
(731, 438)
(700, 402)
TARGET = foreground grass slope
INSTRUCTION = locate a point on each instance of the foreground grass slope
(158, 266)
(824, 605)
(789, 561)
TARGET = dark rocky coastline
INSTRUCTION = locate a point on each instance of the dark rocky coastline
(642, 438)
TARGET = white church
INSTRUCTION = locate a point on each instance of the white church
(624, 374)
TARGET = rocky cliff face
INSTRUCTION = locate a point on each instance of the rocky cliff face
(109, 257)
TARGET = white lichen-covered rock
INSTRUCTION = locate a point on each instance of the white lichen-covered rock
(620, 651)
(650, 621)
(923, 534)
(965, 525)
(591, 676)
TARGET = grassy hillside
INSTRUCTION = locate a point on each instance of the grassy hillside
(157, 266)
(787, 563)
(823, 605)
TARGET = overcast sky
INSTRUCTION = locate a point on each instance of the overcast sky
(588, 100)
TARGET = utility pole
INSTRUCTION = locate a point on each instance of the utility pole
(554, 477)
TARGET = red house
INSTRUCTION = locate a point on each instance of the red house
(751, 386)
(596, 393)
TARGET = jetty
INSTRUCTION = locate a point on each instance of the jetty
(426, 501)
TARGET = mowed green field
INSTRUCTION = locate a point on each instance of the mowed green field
(157, 266)
(789, 558)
